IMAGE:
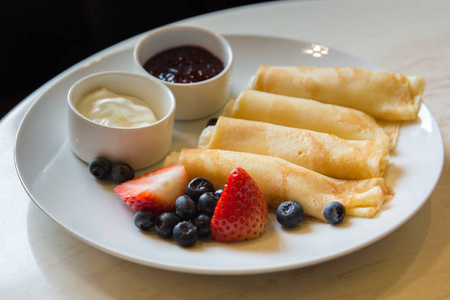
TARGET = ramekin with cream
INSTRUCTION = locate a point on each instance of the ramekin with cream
(122, 116)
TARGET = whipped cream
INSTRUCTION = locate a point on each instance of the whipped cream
(107, 108)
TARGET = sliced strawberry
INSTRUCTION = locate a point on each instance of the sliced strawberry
(155, 191)
(241, 213)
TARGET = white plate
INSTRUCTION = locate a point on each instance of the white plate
(62, 187)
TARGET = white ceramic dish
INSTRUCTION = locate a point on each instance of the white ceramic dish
(60, 184)
(134, 145)
(199, 99)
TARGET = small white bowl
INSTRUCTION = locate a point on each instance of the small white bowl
(140, 147)
(194, 100)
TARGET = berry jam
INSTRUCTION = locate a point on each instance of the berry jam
(185, 64)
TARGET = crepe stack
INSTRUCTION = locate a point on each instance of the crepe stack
(314, 135)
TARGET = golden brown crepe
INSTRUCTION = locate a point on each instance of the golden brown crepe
(392, 130)
(346, 123)
(320, 152)
(280, 181)
(382, 95)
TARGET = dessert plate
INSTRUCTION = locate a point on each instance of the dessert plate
(60, 184)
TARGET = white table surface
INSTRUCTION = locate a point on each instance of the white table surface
(40, 260)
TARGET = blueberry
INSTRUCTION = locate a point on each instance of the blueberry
(198, 186)
(203, 223)
(211, 122)
(122, 172)
(100, 167)
(165, 223)
(289, 214)
(186, 208)
(207, 203)
(218, 193)
(185, 234)
(334, 212)
(144, 219)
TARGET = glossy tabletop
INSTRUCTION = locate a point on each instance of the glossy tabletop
(40, 260)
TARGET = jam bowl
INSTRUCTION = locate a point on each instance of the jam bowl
(196, 64)
(122, 116)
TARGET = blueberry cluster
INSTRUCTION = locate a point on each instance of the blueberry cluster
(102, 168)
(191, 218)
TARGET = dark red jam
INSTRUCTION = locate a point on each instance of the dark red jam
(185, 64)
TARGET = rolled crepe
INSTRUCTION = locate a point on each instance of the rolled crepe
(280, 181)
(346, 123)
(382, 95)
(392, 130)
(320, 152)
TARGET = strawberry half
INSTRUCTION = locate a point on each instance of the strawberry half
(156, 191)
(241, 212)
